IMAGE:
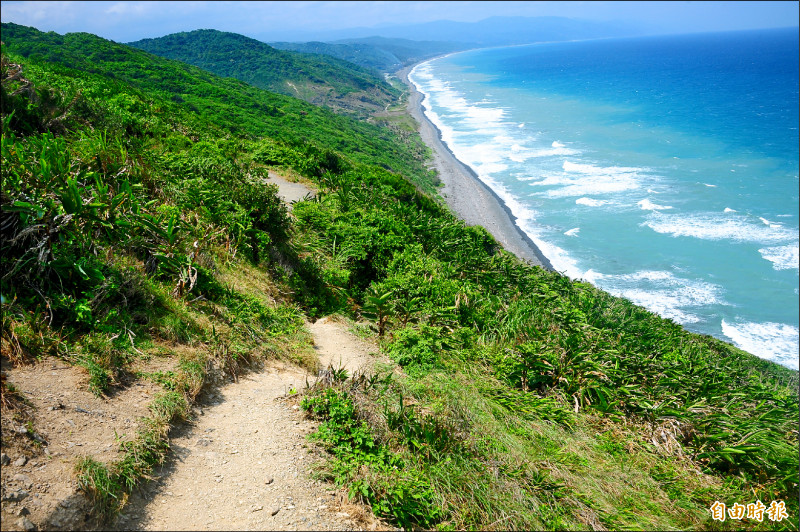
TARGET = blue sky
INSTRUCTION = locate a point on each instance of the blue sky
(299, 20)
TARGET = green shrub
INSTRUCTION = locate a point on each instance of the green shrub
(392, 485)
(417, 346)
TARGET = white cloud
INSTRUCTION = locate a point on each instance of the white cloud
(129, 8)
(31, 13)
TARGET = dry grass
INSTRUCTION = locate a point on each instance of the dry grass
(248, 279)
(361, 515)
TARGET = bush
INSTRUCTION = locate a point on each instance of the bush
(417, 346)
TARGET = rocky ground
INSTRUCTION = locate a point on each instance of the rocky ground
(43, 441)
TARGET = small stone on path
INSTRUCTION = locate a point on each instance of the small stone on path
(25, 480)
(25, 524)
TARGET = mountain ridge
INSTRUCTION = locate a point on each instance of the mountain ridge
(317, 79)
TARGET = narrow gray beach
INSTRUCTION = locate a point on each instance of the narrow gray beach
(466, 195)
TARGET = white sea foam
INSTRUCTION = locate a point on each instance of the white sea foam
(589, 202)
(661, 292)
(648, 205)
(488, 168)
(573, 231)
(560, 151)
(580, 179)
(782, 257)
(519, 153)
(557, 144)
(482, 116)
(728, 209)
(710, 186)
(713, 226)
(483, 119)
(559, 258)
(773, 341)
(521, 125)
(522, 212)
(476, 116)
(591, 169)
(771, 224)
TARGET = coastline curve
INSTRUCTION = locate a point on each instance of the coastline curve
(464, 192)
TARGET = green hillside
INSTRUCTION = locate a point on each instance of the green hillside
(241, 108)
(318, 79)
(133, 194)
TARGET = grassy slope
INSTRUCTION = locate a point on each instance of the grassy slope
(318, 79)
(527, 401)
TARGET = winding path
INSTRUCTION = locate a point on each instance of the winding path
(245, 462)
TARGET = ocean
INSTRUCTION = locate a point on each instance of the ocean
(661, 169)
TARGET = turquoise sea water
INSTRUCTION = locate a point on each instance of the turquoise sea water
(661, 169)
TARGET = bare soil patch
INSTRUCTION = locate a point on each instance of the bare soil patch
(42, 442)
(290, 190)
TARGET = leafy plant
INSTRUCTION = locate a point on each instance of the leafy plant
(377, 307)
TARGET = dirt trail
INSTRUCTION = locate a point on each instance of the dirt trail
(244, 463)
(289, 191)
(338, 347)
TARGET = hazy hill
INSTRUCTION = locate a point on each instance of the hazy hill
(381, 53)
(318, 79)
(392, 47)
(497, 31)
(494, 31)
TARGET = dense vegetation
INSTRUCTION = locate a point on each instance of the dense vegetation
(239, 108)
(131, 220)
(318, 79)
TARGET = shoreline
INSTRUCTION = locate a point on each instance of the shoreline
(468, 197)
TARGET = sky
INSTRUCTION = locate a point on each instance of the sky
(302, 20)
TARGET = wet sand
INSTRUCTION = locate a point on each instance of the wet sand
(466, 195)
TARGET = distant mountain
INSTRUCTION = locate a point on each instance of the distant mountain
(380, 53)
(494, 31)
(318, 79)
